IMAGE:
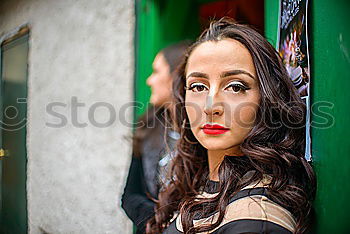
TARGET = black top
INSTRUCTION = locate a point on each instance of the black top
(138, 207)
(144, 177)
(249, 211)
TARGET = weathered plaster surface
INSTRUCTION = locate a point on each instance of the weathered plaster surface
(81, 49)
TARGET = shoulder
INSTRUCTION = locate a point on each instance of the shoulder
(249, 211)
(253, 211)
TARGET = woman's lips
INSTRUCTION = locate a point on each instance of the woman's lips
(214, 129)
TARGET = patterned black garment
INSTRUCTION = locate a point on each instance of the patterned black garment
(146, 175)
(249, 211)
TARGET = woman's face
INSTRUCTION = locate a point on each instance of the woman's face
(222, 95)
(160, 81)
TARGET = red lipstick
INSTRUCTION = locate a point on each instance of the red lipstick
(214, 129)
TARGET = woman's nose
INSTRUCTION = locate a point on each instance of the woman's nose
(212, 107)
(149, 80)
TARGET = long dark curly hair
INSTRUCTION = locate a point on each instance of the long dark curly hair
(274, 146)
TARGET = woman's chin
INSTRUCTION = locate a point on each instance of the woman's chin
(213, 145)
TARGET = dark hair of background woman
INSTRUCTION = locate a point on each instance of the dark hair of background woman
(157, 117)
(274, 146)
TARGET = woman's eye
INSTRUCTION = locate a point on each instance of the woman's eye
(197, 87)
(236, 87)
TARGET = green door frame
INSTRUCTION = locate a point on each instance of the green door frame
(13, 139)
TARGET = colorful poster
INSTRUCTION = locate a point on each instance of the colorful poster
(293, 48)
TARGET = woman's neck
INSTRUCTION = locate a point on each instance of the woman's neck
(215, 158)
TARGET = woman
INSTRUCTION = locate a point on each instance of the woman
(150, 146)
(239, 166)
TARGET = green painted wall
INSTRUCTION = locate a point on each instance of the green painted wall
(271, 20)
(158, 24)
(331, 81)
(329, 44)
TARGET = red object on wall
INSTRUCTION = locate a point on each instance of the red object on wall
(243, 11)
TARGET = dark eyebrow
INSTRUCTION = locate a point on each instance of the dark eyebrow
(236, 72)
(198, 74)
(224, 74)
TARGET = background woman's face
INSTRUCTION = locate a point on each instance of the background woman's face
(222, 91)
(160, 81)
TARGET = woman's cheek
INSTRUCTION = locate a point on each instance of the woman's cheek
(194, 112)
(244, 114)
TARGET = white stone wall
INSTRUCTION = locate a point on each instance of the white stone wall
(82, 49)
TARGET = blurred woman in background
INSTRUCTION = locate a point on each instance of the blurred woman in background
(154, 141)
